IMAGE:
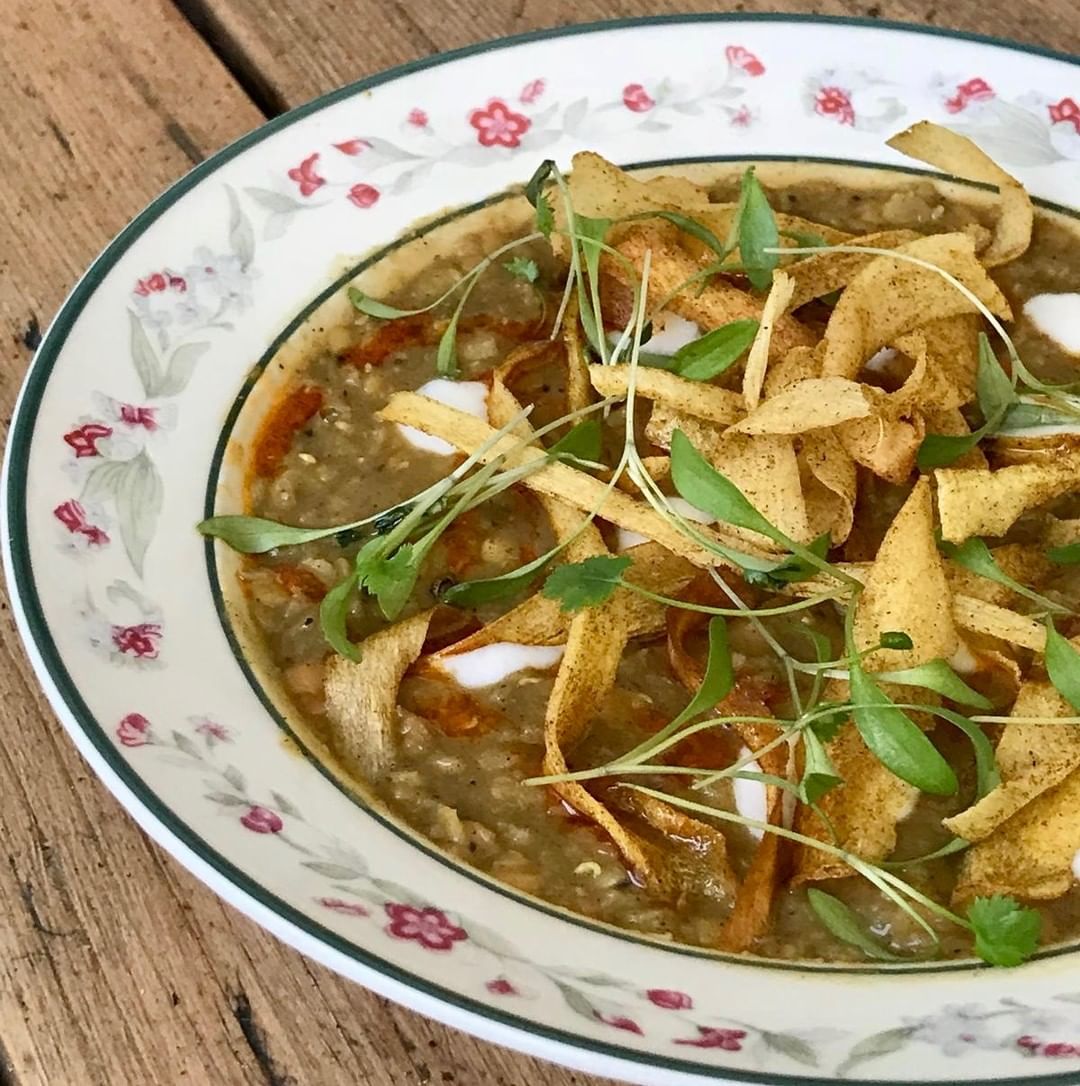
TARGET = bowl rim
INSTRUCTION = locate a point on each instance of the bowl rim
(139, 799)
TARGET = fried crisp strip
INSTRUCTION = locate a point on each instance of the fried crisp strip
(890, 297)
(757, 360)
(1009, 449)
(664, 421)
(361, 698)
(467, 433)
(578, 389)
(972, 502)
(832, 472)
(959, 156)
(717, 304)
(981, 617)
(810, 404)
(1059, 533)
(906, 589)
(594, 646)
(928, 383)
(1031, 759)
(692, 397)
(1031, 854)
(888, 447)
(766, 470)
(864, 810)
(821, 274)
(954, 344)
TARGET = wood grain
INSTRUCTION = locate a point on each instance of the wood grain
(116, 967)
(291, 50)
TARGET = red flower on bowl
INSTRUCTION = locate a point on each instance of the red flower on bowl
(430, 927)
(620, 1021)
(72, 516)
(637, 99)
(669, 999)
(351, 147)
(730, 1040)
(498, 125)
(349, 908)
(306, 177)
(974, 90)
(417, 118)
(364, 195)
(835, 102)
(84, 439)
(744, 60)
(140, 641)
(262, 820)
(501, 986)
(133, 730)
(1066, 112)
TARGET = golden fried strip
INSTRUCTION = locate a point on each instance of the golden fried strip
(361, 698)
(757, 360)
(959, 156)
(697, 398)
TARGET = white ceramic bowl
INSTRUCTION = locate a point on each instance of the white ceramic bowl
(113, 458)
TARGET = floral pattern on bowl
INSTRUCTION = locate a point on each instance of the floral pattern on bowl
(114, 442)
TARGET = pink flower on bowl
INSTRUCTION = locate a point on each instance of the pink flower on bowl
(974, 90)
(742, 117)
(498, 125)
(140, 641)
(84, 439)
(352, 147)
(730, 1040)
(637, 99)
(364, 195)
(417, 118)
(134, 730)
(744, 60)
(430, 927)
(1066, 112)
(835, 102)
(72, 516)
(620, 1021)
(501, 986)
(212, 730)
(349, 908)
(261, 820)
(306, 177)
(135, 415)
(158, 282)
(669, 999)
(532, 91)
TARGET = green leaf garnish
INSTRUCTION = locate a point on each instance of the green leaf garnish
(374, 308)
(389, 578)
(1006, 933)
(714, 352)
(1068, 555)
(994, 388)
(446, 363)
(489, 589)
(1063, 665)
(716, 684)
(687, 226)
(584, 442)
(805, 240)
(790, 570)
(534, 188)
(333, 614)
(896, 639)
(522, 267)
(895, 739)
(941, 450)
(545, 216)
(757, 233)
(585, 584)
(973, 554)
(703, 486)
(936, 675)
(843, 923)
(987, 777)
(255, 535)
(819, 773)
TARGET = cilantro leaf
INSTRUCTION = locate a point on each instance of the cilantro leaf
(1063, 665)
(1068, 555)
(1006, 933)
(895, 739)
(714, 352)
(333, 616)
(545, 216)
(585, 584)
(843, 923)
(390, 580)
(521, 267)
(757, 233)
(255, 535)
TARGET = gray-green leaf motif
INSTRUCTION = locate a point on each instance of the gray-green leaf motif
(795, 1048)
(331, 870)
(180, 367)
(143, 356)
(241, 233)
(139, 495)
(876, 1045)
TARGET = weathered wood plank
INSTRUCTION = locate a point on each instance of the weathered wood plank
(295, 50)
(116, 966)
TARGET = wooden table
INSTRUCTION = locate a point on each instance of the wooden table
(116, 967)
